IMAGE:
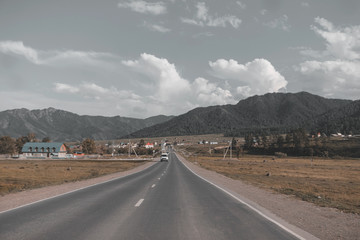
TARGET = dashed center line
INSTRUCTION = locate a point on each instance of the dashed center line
(153, 185)
(139, 202)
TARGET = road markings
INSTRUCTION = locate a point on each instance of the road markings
(158, 178)
(246, 204)
(139, 203)
(153, 185)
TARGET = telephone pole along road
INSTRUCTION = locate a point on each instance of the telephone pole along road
(164, 201)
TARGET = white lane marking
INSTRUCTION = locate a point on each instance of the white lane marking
(139, 203)
(248, 205)
(153, 185)
(62, 194)
(158, 178)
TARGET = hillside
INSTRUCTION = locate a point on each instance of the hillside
(276, 111)
(61, 125)
(345, 120)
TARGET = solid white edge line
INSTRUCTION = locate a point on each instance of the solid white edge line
(139, 203)
(62, 194)
(248, 205)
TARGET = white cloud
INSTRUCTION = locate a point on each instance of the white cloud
(280, 23)
(169, 89)
(18, 48)
(95, 91)
(241, 4)
(204, 19)
(340, 78)
(192, 22)
(169, 85)
(65, 88)
(53, 56)
(338, 75)
(155, 8)
(256, 77)
(341, 42)
(156, 28)
(210, 94)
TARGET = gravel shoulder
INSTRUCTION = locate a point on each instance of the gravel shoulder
(14, 200)
(297, 215)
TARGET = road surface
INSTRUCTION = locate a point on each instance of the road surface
(165, 201)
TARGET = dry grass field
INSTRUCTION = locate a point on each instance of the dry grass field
(325, 182)
(18, 175)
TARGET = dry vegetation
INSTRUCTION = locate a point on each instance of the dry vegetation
(325, 182)
(18, 175)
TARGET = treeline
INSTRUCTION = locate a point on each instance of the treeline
(300, 143)
(9, 145)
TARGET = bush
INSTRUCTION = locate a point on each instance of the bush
(280, 154)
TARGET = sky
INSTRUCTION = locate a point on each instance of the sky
(145, 58)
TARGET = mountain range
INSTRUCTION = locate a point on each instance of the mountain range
(277, 112)
(61, 125)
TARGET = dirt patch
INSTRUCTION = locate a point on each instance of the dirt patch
(20, 175)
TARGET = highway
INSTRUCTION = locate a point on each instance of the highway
(165, 201)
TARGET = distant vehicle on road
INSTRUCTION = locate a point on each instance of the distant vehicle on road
(164, 157)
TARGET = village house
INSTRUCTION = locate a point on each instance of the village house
(44, 150)
(149, 145)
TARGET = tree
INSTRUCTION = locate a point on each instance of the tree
(300, 138)
(233, 143)
(20, 143)
(141, 143)
(289, 139)
(46, 139)
(280, 141)
(31, 137)
(264, 141)
(7, 145)
(88, 146)
(249, 140)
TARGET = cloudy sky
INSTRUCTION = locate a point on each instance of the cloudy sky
(140, 58)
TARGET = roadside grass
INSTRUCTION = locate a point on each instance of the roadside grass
(325, 182)
(19, 175)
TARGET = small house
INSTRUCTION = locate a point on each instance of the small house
(149, 145)
(44, 150)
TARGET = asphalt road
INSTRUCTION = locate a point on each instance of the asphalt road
(165, 201)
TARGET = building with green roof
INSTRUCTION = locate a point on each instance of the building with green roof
(44, 150)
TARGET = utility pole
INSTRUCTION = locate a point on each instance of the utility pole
(129, 148)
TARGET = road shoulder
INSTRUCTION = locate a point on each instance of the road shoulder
(301, 217)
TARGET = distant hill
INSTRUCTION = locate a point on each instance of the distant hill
(276, 111)
(61, 125)
(344, 120)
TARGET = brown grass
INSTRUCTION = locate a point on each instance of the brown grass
(18, 175)
(325, 182)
